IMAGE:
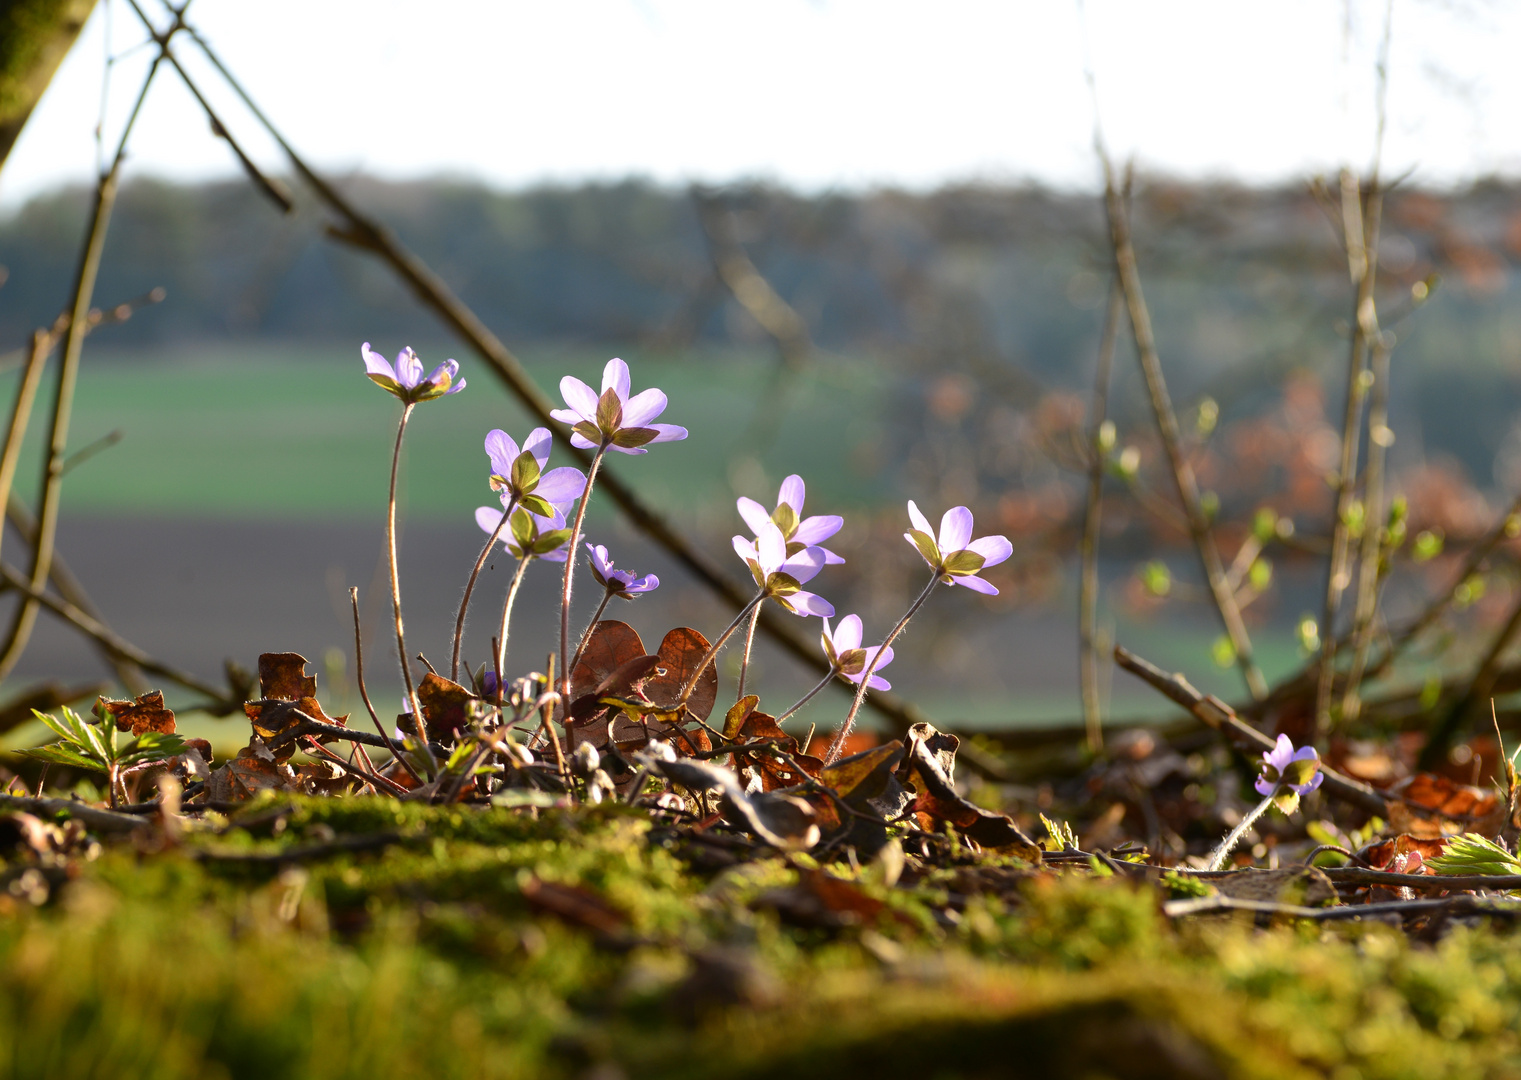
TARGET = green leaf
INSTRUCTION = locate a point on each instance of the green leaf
(634, 436)
(1260, 575)
(1265, 524)
(1222, 652)
(1287, 801)
(550, 541)
(536, 504)
(63, 754)
(785, 518)
(53, 724)
(851, 661)
(152, 746)
(1474, 854)
(525, 472)
(926, 545)
(609, 411)
(1428, 545)
(1156, 578)
(780, 584)
(964, 562)
(522, 527)
(589, 431)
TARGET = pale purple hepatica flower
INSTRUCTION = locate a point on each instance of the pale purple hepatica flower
(621, 583)
(519, 474)
(528, 534)
(1296, 770)
(405, 380)
(614, 419)
(780, 575)
(798, 531)
(954, 555)
(843, 648)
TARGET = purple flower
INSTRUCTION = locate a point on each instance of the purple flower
(528, 534)
(614, 419)
(955, 556)
(798, 531)
(520, 474)
(405, 380)
(780, 575)
(1296, 770)
(623, 583)
(843, 648)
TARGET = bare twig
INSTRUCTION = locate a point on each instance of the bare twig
(25, 617)
(364, 694)
(1167, 428)
(1360, 208)
(95, 818)
(1220, 716)
(1088, 589)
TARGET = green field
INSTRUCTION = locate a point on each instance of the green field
(298, 432)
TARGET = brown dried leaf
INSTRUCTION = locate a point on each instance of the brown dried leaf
(937, 800)
(1397, 850)
(144, 713)
(734, 719)
(611, 645)
(863, 776)
(252, 771)
(1431, 806)
(283, 675)
(821, 900)
(680, 652)
(445, 706)
(774, 773)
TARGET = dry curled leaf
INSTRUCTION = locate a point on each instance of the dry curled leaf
(936, 800)
(1430, 806)
(252, 771)
(680, 652)
(446, 706)
(144, 713)
(283, 675)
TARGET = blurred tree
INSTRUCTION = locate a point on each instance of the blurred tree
(35, 35)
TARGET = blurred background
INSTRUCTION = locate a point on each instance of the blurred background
(862, 242)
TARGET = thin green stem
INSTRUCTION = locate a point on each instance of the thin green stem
(744, 663)
(806, 698)
(838, 745)
(691, 683)
(401, 638)
(607, 594)
(570, 570)
(501, 634)
(1217, 860)
(464, 604)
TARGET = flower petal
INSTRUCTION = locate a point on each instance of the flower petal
(375, 364)
(625, 449)
(489, 517)
(816, 530)
(539, 443)
(831, 559)
(848, 636)
(581, 399)
(599, 559)
(561, 485)
(567, 416)
(771, 550)
(807, 603)
(920, 521)
(754, 514)
(667, 432)
(615, 378)
(805, 565)
(648, 583)
(993, 549)
(955, 530)
(1265, 786)
(745, 549)
(643, 407)
(581, 442)
(792, 493)
(976, 584)
(409, 369)
(502, 451)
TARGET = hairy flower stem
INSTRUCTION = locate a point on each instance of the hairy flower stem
(570, 568)
(401, 640)
(607, 595)
(464, 604)
(501, 634)
(838, 745)
(691, 683)
(744, 663)
(1217, 860)
(806, 698)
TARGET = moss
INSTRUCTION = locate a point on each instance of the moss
(429, 959)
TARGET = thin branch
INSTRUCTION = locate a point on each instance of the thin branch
(1088, 588)
(1220, 716)
(1167, 429)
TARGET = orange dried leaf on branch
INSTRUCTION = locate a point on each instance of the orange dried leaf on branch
(446, 706)
(144, 713)
(1430, 806)
(927, 769)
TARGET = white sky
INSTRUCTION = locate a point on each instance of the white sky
(815, 94)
